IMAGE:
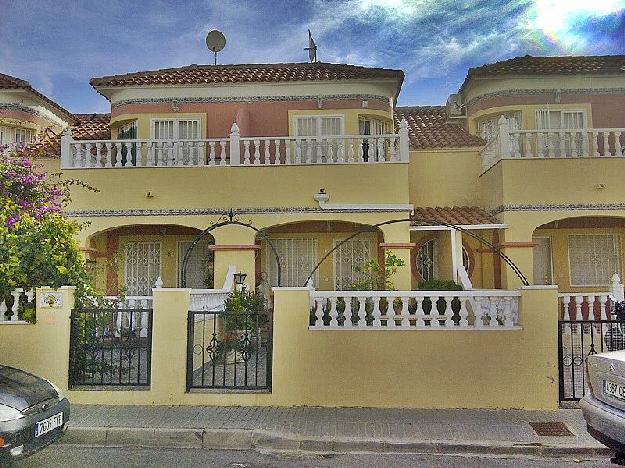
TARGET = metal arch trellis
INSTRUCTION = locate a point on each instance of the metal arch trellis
(225, 221)
(367, 228)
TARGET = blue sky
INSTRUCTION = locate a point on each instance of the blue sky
(59, 45)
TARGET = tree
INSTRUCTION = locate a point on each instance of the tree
(39, 245)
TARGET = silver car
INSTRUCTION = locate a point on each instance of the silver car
(604, 403)
(33, 414)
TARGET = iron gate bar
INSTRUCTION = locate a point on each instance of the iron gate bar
(93, 355)
(249, 348)
(589, 337)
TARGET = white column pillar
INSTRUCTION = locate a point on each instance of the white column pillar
(403, 141)
(235, 148)
(66, 148)
(504, 138)
(454, 255)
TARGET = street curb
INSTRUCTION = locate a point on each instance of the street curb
(245, 439)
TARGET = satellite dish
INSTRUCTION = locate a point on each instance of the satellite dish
(215, 41)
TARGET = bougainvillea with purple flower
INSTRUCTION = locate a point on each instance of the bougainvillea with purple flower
(38, 244)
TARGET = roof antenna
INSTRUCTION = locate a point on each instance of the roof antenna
(215, 41)
(312, 49)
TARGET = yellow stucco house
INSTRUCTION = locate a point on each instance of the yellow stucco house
(296, 175)
(526, 157)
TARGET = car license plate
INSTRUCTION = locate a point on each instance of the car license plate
(614, 389)
(48, 424)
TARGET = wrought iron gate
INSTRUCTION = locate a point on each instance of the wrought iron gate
(110, 347)
(578, 339)
(223, 357)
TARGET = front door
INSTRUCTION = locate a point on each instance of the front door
(542, 260)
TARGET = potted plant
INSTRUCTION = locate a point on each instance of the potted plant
(244, 316)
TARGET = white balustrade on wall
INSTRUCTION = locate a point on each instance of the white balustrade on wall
(234, 150)
(545, 144)
(208, 300)
(9, 307)
(415, 310)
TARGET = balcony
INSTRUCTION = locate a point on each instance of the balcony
(552, 144)
(234, 151)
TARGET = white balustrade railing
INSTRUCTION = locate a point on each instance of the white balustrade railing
(560, 143)
(576, 143)
(208, 300)
(146, 153)
(415, 310)
(131, 302)
(234, 150)
(320, 150)
(9, 308)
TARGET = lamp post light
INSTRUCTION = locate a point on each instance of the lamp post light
(239, 279)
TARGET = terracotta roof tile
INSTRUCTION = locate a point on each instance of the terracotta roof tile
(86, 127)
(248, 73)
(92, 127)
(529, 65)
(461, 215)
(428, 128)
(11, 82)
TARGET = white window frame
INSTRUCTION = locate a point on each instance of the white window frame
(176, 121)
(616, 239)
(8, 135)
(318, 117)
(381, 124)
(561, 111)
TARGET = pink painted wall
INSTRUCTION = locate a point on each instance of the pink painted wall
(264, 118)
(608, 110)
(25, 117)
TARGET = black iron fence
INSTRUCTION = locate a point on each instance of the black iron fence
(227, 355)
(578, 339)
(110, 347)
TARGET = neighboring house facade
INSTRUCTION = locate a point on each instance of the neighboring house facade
(524, 158)
(26, 115)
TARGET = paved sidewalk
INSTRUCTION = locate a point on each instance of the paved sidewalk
(330, 429)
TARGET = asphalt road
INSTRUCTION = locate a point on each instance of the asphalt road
(65, 456)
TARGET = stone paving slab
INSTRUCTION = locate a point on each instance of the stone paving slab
(330, 429)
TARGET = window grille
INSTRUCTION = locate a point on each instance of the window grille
(143, 267)
(298, 256)
(593, 259)
(351, 254)
(426, 261)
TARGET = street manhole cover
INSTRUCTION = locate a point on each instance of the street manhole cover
(551, 429)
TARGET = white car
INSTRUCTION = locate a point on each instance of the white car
(604, 403)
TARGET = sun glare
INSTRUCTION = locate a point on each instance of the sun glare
(558, 19)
